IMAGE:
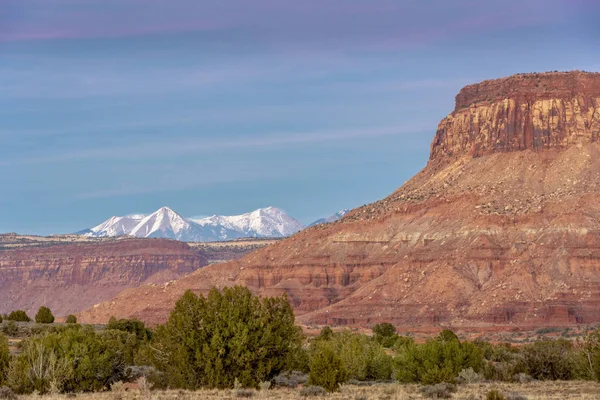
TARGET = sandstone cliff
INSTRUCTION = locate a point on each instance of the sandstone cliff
(501, 229)
(71, 277)
(528, 111)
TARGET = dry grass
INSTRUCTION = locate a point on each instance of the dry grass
(532, 391)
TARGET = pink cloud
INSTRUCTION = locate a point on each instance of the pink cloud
(93, 33)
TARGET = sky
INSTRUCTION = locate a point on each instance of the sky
(113, 107)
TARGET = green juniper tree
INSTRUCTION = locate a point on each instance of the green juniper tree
(44, 316)
(229, 335)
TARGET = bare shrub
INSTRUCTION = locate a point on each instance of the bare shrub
(523, 378)
(244, 393)
(515, 396)
(438, 391)
(469, 376)
(312, 391)
(494, 395)
(7, 394)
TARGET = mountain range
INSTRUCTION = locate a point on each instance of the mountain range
(267, 222)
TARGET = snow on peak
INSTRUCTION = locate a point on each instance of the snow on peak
(338, 215)
(166, 223)
(162, 223)
(115, 226)
(264, 222)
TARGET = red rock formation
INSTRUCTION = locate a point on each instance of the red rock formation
(508, 238)
(72, 277)
(528, 111)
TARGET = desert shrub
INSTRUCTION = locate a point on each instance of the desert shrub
(290, 379)
(245, 393)
(522, 378)
(591, 354)
(44, 316)
(362, 357)
(438, 391)
(325, 334)
(74, 359)
(4, 358)
(502, 361)
(312, 391)
(18, 316)
(438, 360)
(515, 396)
(10, 329)
(494, 395)
(385, 334)
(230, 334)
(550, 360)
(469, 376)
(130, 325)
(326, 367)
(71, 319)
(7, 394)
(266, 385)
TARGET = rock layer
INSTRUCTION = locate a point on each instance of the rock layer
(502, 240)
(72, 277)
(529, 111)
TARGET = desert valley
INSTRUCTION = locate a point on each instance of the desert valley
(171, 175)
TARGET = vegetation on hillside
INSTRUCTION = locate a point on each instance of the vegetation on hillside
(233, 339)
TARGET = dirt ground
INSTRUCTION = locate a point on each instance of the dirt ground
(573, 390)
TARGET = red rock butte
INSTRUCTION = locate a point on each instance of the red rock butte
(527, 111)
(501, 229)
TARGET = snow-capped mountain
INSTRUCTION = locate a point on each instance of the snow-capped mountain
(116, 226)
(166, 223)
(264, 222)
(332, 218)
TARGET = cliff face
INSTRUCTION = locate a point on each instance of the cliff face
(71, 277)
(505, 239)
(530, 111)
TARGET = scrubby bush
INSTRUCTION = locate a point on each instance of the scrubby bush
(469, 376)
(550, 360)
(438, 391)
(245, 393)
(290, 379)
(326, 367)
(591, 354)
(137, 327)
(18, 316)
(70, 360)
(230, 334)
(438, 360)
(71, 319)
(312, 391)
(44, 316)
(4, 358)
(515, 396)
(10, 329)
(362, 357)
(385, 334)
(522, 378)
(326, 333)
(494, 394)
(7, 394)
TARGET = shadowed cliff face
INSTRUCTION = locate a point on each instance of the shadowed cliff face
(71, 277)
(508, 238)
(531, 111)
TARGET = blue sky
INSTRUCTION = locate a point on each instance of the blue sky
(110, 107)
